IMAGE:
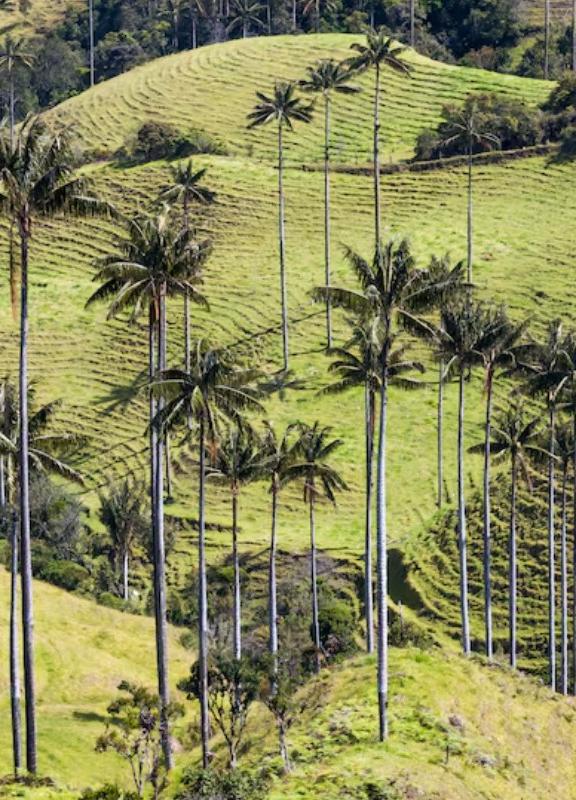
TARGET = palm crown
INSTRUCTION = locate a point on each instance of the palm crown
(283, 107)
(328, 76)
(187, 187)
(314, 449)
(378, 50)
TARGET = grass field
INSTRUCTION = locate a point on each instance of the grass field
(524, 257)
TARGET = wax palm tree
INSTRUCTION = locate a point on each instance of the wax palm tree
(515, 437)
(14, 55)
(279, 452)
(358, 364)
(92, 71)
(549, 370)
(394, 293)
(153, 260)
(245, 15)
(546, 39)
(284, 108)
(378, 52)
(46, 451)
(36, 180)
(187, 189)
(460, 339)
(320, 481)
(564, 450)
(311, 8)
(328, 77)
(499, 353)
(466, 131)
(237, 463)
(122, 514)
(214, 389)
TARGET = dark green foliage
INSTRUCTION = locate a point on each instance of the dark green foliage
(471, 24)
(108, 791)
(513, 123)
(210, 784)
(560, 56)
(57, 71)
(563, 95)
(568, 143)
(65, 574)
(338, 624)
(156, 140)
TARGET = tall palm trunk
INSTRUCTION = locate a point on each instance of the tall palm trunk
(574, 35)
(368, 595)
(574, 553)
(513, 575)
(237, 643)
(125, 582)
(282, 244)
(314, 581)
(546, 39)
(193, 31)
(12, 110)
(440, 436)
(15, 654)
(377, 194)
(551, 557)
(469, 222)
(25, 543)
(382, 561)
(272, 586)
(160, 554)
(203, 601)
(486, 512)
(91, 37)
(564, 588)
(294, 15)
(462, 538)
(327, 236)
(412, 22)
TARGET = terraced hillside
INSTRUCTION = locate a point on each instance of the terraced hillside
(533, 12)
(42, 16)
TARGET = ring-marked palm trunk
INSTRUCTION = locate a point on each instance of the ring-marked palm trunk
(368, 592)
(15, 654)
(469, 218)
(574, 553)
(159, 552)
(282, 246)
(551, 555)
(314, 581)
(91, 37)
(462, 536)
(574, 35)
(564, 587)
(25, 542)
(513, 568)
(272, 584)
(546, 39)
(381, 561)
(486, 512)
(203, 600)
(376, 156)
(327, 232)
(237, 638)
(440, 436)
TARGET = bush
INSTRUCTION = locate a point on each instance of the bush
(568, 143)
(109, 791)
(66, 574)
(238, 784)
(111, 601)
(156, 140)
(338, 625)
(563, 95)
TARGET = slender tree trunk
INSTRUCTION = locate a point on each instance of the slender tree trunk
(551, 558)
(546, 39)
(574, 554)
(377, 194)
(126, 588)
(294, 15)
(574, 35)
(368, 599)
(203, 603)
(25, 542)
(412, 22)
(282, 244)
(564, 587)
(12, 110)
(168, 464)
(272, 587)
(91, 37)
(236, 565)
(487, 560)
(462, 538)
(513, 576)
(15, 655)
(160, 554)
(284, 747)
(314, 581)
(193, 36)
(440, 435)
(2, 483)
(382, 561)
(327, 236)
(269, 17)
(470, 215)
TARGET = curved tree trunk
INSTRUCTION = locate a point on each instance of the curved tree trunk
(160, 555)
(440, 436)
(470, 215)
(382, 562)
(462, 538)
(368, 598)
(513, 576)
(564, 589)
(91, 38)
(25, 543)
(314, 582)
(282, 244)
(15, 655)
(203, 603)
(327, 235)
(377, 195)
(551, 557)
(486, 512)
(272, 587)
(237, 644)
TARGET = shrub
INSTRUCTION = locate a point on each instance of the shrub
(156, 140)
(338, 625)
(563, 95)
(238, 784)
(108, 791)
(568, 143)
(66, 574)
(111, 601)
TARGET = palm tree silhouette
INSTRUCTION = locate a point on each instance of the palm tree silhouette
(325, 78)
(214, 389)
(320, 481)
(564, 450)
(245, 15)
(284, 108)
(13, 56)
(153, 260)
(378, 52)
(36, 180)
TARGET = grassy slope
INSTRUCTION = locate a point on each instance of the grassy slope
(82, 654)
(43, 15)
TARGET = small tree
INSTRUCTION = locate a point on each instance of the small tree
(232, 688)
(134, 731)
